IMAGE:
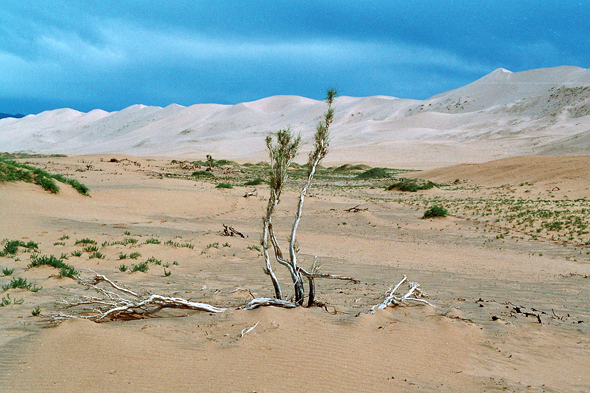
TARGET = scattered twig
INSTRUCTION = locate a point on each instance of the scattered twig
(414, 294)
(251, 193)
(228, 230)
(356, 209)
(248, 330)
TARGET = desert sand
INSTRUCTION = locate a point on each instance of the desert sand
(507, 272)
(510, 312)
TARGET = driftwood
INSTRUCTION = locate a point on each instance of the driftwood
(356, 209)
(123, 302)
(230, 231)
(414, 294)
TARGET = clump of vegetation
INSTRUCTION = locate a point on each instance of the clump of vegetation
(96, 254)
(65, 270)
(349, 167)
(224, 185)
(122, 267)
(140, 267)
(152, 241)
(86, 241)
(21, 283)
(7, 272)
(374, 173)
(202, 174)
(36, 311)
(90, 249)
(76, 253)
(12, 171)
(213, 245)
(179, 245)
(435, 211)
(11, 247)
(134, 255)
(412, 185)
(154, 260)
(7, 301)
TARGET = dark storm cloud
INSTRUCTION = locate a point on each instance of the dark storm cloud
(111, 54)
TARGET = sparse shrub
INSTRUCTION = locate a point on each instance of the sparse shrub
(65, 270)
(85, 241)
(134, 255)
(167, 273)
(213, 245)
(64, 237)
(127, 233)
(76, 253)
(122, 256)
(140, 267)
(7, 272)
(123, 267)
(47, 184)
(20, 283)
(374, 173)
(224, 185)
(96, 254)
(59, 244)
(11, 246)
(435, 211)
(179, 245)
(36, 311)
(152, 241)
(254, 248)
(6, 301)
(154, 260)
(90, 249)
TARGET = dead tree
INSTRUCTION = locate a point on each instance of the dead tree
(282, 152)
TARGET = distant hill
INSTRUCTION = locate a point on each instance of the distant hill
(503, 114)
(5, 115)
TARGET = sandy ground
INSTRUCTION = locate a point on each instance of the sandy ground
(478, 338)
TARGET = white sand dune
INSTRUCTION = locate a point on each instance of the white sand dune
(503, 114)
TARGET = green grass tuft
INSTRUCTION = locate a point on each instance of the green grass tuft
(224, 185)
(65, 270)
(20, 283)
(140, 267)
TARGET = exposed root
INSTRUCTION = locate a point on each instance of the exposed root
(414, 294)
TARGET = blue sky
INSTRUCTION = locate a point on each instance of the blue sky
(87, 54)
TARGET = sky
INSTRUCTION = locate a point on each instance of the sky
(88, 54)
